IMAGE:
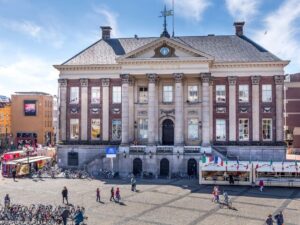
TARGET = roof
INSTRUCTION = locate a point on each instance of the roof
(31, 93)
(224, 48)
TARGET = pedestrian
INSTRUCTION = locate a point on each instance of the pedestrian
(279, 218)
(261, 185)
(118, 195)
(112, 194)
(65, 215)
(78, 217)
(231, 180)
(65, 195)
(6, 201)
(97, 195)
(133, 183)
(269, 220)
(217, 194)
(14, 172)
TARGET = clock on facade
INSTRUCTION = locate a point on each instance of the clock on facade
(164, 51)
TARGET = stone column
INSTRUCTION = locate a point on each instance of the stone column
(63, 109)
(211, 122)
(131, 109)
(84, 109)
(178, 109)
(205, 108)
(255, 108)
(151, 108)
(232, 108)
(279, 107)
(105, 109)
(125, 109)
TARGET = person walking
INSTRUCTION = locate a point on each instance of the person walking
(78, 217)
(6, 201)
(112, 194)
(279, 218)
(65, 215)
(261, 185)
(97, 195)
(65, 195)
(133, 183)
(14, 173)
(118, 195)
(269, 220)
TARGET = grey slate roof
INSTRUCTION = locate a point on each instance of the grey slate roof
(229, 48)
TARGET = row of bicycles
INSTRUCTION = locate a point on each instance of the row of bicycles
(52, 172)
(37, 214)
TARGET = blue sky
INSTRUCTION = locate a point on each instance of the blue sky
(35, 34)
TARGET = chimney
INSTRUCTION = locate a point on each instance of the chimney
(105, 32)
(239, 28)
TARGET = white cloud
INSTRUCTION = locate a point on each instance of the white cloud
(110, 19)
(280, 34)
(27, 27)
(190, 9)
(242, 10)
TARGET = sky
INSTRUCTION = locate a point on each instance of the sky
(37, 34)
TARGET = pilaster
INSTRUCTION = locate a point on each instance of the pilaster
(255, 108)
(232, 108)
(206, 77)
(105, 109)
(84, 109)
(178, 109)
(63, 108)
(125, 109)
(152, 110)
(279, 80)
(131, 109)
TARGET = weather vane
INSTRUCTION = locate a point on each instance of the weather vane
(164, 14)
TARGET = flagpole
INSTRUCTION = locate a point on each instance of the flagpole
(173, 33)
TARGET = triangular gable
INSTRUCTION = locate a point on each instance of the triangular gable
(151, 50)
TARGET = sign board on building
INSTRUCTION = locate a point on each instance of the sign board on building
(111, 152)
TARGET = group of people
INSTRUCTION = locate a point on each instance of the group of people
(278, 218)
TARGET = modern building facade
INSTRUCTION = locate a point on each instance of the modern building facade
(5, 123)
(165, 100)
(32, 118)
(292, 110)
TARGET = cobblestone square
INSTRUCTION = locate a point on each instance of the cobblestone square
(164, 202)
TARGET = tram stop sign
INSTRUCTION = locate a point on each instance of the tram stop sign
(111, 152)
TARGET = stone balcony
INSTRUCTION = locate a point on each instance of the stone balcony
(192, 149)
(164, 149)
(137, 149)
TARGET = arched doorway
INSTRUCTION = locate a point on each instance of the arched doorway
(192, 167)
(164, 167)
(137, 167)
(168, 132)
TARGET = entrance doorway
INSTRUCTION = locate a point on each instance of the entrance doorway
(164, 167)
(137, 167)
(192, 168)
(168, 132)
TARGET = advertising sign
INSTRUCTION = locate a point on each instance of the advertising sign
(30, 108)
(111, 152)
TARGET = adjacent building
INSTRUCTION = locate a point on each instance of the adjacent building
(162, 101)
(5, 123)
(32, 121)
(292, 110)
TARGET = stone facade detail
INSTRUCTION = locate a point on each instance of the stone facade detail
(152, 77)
(105, 82)
(232, 80)
(255, 80)
(84, 82)
(178, 77)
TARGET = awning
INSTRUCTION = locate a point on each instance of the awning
(30, 160)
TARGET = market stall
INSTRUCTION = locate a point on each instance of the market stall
(221, 173)
(286, 174)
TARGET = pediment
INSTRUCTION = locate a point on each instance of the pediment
(165, 48)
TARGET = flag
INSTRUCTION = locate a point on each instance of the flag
(296, 164)
(216, 160)
(247, 166)
(256, 166)
(271, 162)
(220, 161)
(211, 158)
(238, 162)
(203, 159)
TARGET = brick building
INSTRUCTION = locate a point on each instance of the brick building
(292, 110)
(165, 100)
(32, 121)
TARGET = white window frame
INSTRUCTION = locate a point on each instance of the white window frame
(220, 130)
(167, 93)
(193, 89)
(244, 136)
(244, 88)
(74, 122)
(193, 125)
(143, 128)
(118, 124)
(220, 93)
(95, 122)
(74, 95)
(143, 94)
(266, 93)
(95, 95)
(270, 129)
(117, 94)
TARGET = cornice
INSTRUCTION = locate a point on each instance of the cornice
(87, 67)
(216, 65)
(136, 61)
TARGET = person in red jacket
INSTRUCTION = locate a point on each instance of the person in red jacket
(261, 185)
(118, 196)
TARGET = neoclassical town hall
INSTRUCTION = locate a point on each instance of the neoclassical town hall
(162, 101)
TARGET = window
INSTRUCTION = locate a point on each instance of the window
(220, 93)
(267, 129)
(95, 129)
(193, 93)
(143, 95)
(74, 95)
(73, 159)
(243, 129)
(267, 93)
(168, 94)
(221, 130)
(116, 130)
(193, 129)
(143, 128)
(117, 94)
(243, 93)
(74, 129)
(95, 98)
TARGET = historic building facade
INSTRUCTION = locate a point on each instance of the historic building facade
(164, 101)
